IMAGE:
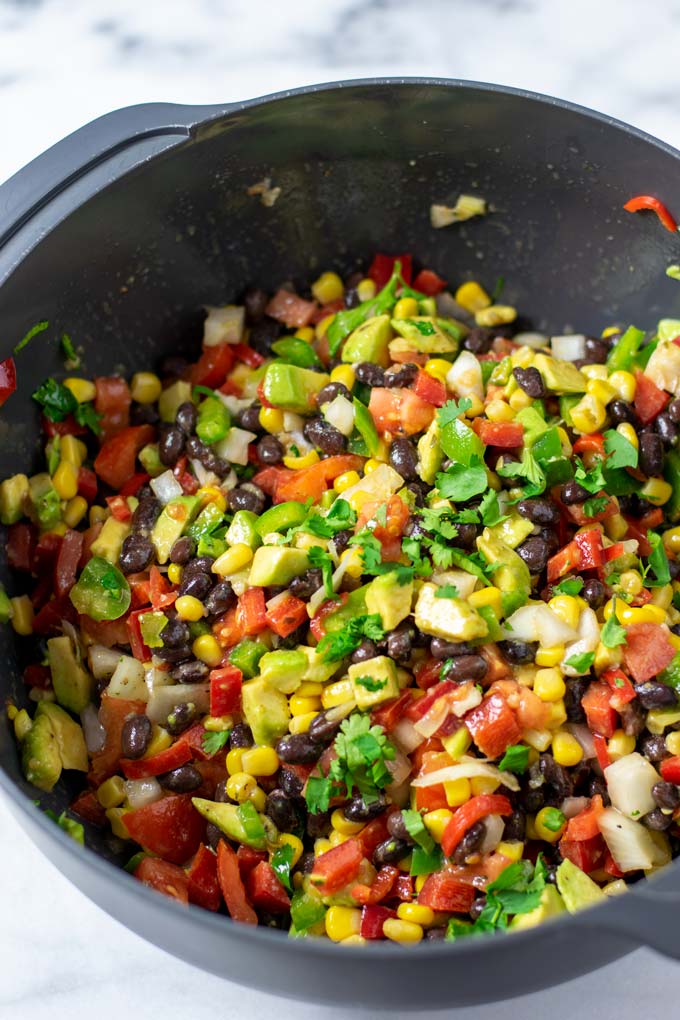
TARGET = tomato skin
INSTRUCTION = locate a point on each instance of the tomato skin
(584, 824)
(225, 690)
(212, 367)
(427, 674)
(567, 559)
(87, 807)
(311, 482)
(112, 402)
(429, 283)
(465, 817)
(115, 462)
(382, 267)
(265, 890)
(177, 754)
(246, 354)
(503, 434)
(493, 726)
(67, 562)
(135, 639)
(251, 614)
(589, 544)
(444, 891)
(620, 685)
(164, 878)
(287, 616)
(338, 866)
(8, 379)
(649, 399)
(232, 886)
(38, 676)
(134, 484)
(586, 854)
(48, 620)
(227, 629)
(161, 591)
(647, 651)
(120, 511)
(248, 859)
(112, 715)
(170, 828)
(202, 885)
(390, 712)
(399, 411)
(600, 715)
(290, 309)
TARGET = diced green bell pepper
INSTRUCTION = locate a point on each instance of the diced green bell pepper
(246, 656)
(45, 501)
(214, 420)
(306, 910)
(557, 471)
(5, 606)
(207, 521)
(622, 354)
(502, 373)
(152, 626)
(211, 545)
(567, 401)
(53, 454)
(243, 530)
(366, 427)
(645, 353)
(101, 592)
(281, 517)
(293, 351)
(460, 443)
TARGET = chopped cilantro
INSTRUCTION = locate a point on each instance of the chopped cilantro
(581, 663)
(553, 819)
(517, 890)
(447, 591)
(214, 741)
(72, 828)
(369, 684)
(490, 509)
(658, 562)
(592, 480)
(39, 327)
(71, 356)
(613, 634)
(320, 559)
(451, 410)
(58, 402)
(413, 821)
(527, 468)
(340, 517)
(461, 482)
(362, 753)
(424, 328)
(336, 646)
(371, 554)
(570, 586)
(621, 452)
(594, 506)
(515, 759)
(281, 862)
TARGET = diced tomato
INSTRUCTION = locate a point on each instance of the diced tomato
(46, 553)
(429, 283)
(372, 920)
(578, 514)
(38, 676)
(429, 389)
(112, 714)
(177, 754)
(42, 592)
(566, 560)
(67, 562)
(246, 354)
(649, 399)
(493, 726)
(590, 546)
(445, 891)
(399, 411)
(268, 478)
(213, 365)
(379, 889)
(337, 867)
(601, 751)
(287, 615)
(21, 542)
(228, 629)
(265, 890)
(115, 462)
(135, 639)
(647, 651)
(621, 687)
(290, 309)
(232, 886)
(311, 482)
(503, 434)
(112, 402)
(8, 379)
(427, 674)
(611, 867)
(594, 443)
(170, 828)
(596, 704)
(87, 807)
(139, 589)
(421, 706)
(382, 267)
(164, 878)
(248, 859)
(120, 511)
(185, 478)
(471, 812)
(372, 834)
(390, 712)
(161, 592)
(225, 690)
(670, 770)
(68, 427)
(134, 484)
(49, 619)
(586, 854)
(431, 798)
(87, 484)
(403, 889)
(612, 552)
(202, 884)
(584, 824)
(251, 613)
(638, 529)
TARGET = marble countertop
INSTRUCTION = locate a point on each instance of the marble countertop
(63, 64)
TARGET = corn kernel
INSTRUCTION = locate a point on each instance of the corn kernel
(550, 656)
(327, 288)
(22, 724)
(497, 410)
(366, 289)
(22, 615)
(436, 822)
(538, 740)
(620, 744)
(567, 608)
(371, 464)
(480, 785)
(336, 838)
(549, 685)
(304, 461)
(457, 791)
(342, 922)
(354, 564)
(558, 714)
(565, 442)
(303, 706)
(589, 415)
(626, 430)
(321, 846)
(301, 723)
(174, 573)
(522, 357)
(189, 608)
(290, 839)
(240, 785)
(662, 597)
(271, 419)
(438, 369)
(310, 689)
(495, 315)
(337, 693)
(72, 450)
(512, 849)
(211, 494)
(260, 761)
(322, 326)
(75, 510)
(490, 596)
(566, 749)
(218, 723)
(472, 297)
(404, 932)
(207, 648)
(357, 499)
(673, 742)
(235, 760)
(114, 816)
(543, 831)
(405, 308)
(65, 480)
(233, 560)
(416, 912)
(305, 333)
(630, 582)
(476, 406)
(145, 387)
(594, 371)
(519, 400)
(601, 390)
(625, 385)
(160, 741)
(258, 798)
(420, 882)
(671, 540)
(639, 614)
(98, 514)
(82, 389)
(57, 529)
(344, 374)
(346, 480)
(606, 658)
(609, 331)
(344, 825)
(657, 491)
(616, 527)
(112, 792)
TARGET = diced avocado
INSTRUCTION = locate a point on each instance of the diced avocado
(175, 517)
(388, 598)
(369, 342)
(44, 501)
(318, 671)
(447, 618)
(354, 605)
(227, 820)
(460, 443)
(40, 758)
(534, 425)
(265, 710)
(551, 905)
(243, 530)
(171, 398)
(668, 329)
(275, 564)
(13, 492)
(71, 682)
(69, 735)
(427, 335)
(659, 719)
(6, 610)
(577, 889)
(151, 461)
(513, 530)
(284, 669)
(374, 681)
(560, 376)
(281, 517)
(292, 388)
(109, 541)
(510, 572)
(430, 453)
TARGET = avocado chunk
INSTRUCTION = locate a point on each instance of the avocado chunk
(71, 682)
(292, 388)
(13, 492)
(109, 541)
(560, 376)
(171, 399)
(389, 599)
(284, 668)
(374, 681)
(266, 711)
(369, 342)
(44, 504)
(275, 564)
(427, 335)
(453, 619)
(174, 518)
(151, 461)
(227, 820)
(430, 454)
(510, 572)
(40, 758)
(69, 735)
(243, 530)
(513, 530)
(317, 671)
(551, 905)
(577, 889)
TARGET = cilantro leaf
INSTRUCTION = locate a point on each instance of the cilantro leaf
(451, 410)
(447, 591)
(39, 327)
(613, 634)
(581, 663)
(527, 468)
(592, 480)
(515, 759)
(86, 415)
(570, 586)
(371, 554)
(490, 509)
(468, 515)
(553, 819)
(369, 684)
(593, 507)
(319, 558)
(424, 328)
(318, 794)
(56, 400)
(413, 821)
(362, 752)
(518, 888)
(658, 561)
(339, 518)
(621, 452)
(460, 482)
(337, 645)
(71, 356)
(281, 862)
(214, 741)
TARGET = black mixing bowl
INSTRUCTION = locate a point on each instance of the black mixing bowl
(121, 232)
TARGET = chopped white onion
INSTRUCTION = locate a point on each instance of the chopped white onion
(234, 446)
(103, 661)
(298, 439)
(572, 806)
(494, 826)
(293, 422)
(629, 784)
(406, 736)
(467, 768)
(663, 368)
(569, 348)
(230, 482)
(166, 487)
(584, 735)
(155, 677)
(465, 376)
(128, 680)
(233, 404)
(537, 622)
(379, 484)
(340, 413)
(399, 767)
(531, 339)
(631, 845)
(93, 731)
(203, 476)
(429, 723)
(223, 325)
(141, 792)
(587, 641)
(164, 699)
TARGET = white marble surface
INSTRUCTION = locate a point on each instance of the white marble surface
(63, 62)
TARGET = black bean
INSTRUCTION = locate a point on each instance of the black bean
(651, 454)
(399, 642)
(182, 780)
(318, 823)
(573, 493)
(479, 340)
(341, 540)
(189, 672)
(653, 747)
(531, 381)
(270, 450)
(370, 374)
(173, 365)
(471, 842)
(532, 800)
(401, 375)
(220, 795)
(437, 934)
(263, 334)
(657, 820)
(539, 511)
(594, 592)
(322, 729)
(667, 429)
(666, 795)
(366, 650)
(249, 418)
(465, 667)
(182, 550)
(515, 826)
(175, 633)
(197, 585)
(136, 554)
(135, 736)
(359, 811)
(477, 907)
(330, 392)
(145, 515)
(440, 648)
(298, 749)
(597, 351)
(534, 552)
(419, 490)
(197, 450)
(244, 498)
(598, 788)
(632, 718)
(199, 565)
(304, 586)
(186, 417)
(241, 736)
(519, 653)
(555, 775)
(290, 783)
(170, 445)
(143, 414)
(390, 851)
(221, 598)
(404, 458)
(281, 810)
(180, 718)
(673, 410)
(324, 436)
(213, 835)
(576, 688)
(396, 826)
(255, 301)
(621, 411)
(654, 694)
(174, 655)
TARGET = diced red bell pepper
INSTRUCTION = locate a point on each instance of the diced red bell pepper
(42, 592)
(177, 754)
(503, 434)
(382, 267)
(445, 891)
(87, 807)
(649, 399)
(38, 676)
(265, 891)
(590, 546)
(115, 462)
(140, 590)
(670, 770)
(639, 202)
(287, 615)
(390, 712)
(87, 484)
(49, 619)
(22, 539)
(421, 706)
(112, 402)
(112, 714)
(67, 562)
(596, 704)
(399, 411)
(170, 828)
(329, 606)
(403, 889)
(337, 867)
(586, 854)
(164, 878)
(291, 310)
(372, 920)
(251, 612)
(471, 812)
(68, 427)
(202, 884)
(594, 443)
(134, 484)
(493, 726)
(647, 650)
(232, 886)
(601, 751)
(135, 639)
(213, 365)
(46, 553)
(372, 834)
(120, 511)
(611, 867)
(311, 482)
(161, 591)
(429, 283)
(621, 687)
(246, 354)
(429, 389)
(228, 629)
(225, 690)
(248, 859)
(185, 478)
(379, 889)
(8, 379)
(564, 561)
(584, 824)
(427, 674)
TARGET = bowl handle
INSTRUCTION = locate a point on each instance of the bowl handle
(644, 915)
